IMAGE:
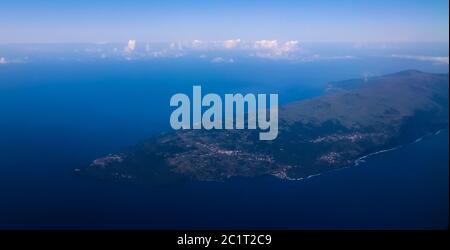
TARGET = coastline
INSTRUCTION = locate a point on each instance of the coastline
(356, 162)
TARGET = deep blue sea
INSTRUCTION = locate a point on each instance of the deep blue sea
(57, 116)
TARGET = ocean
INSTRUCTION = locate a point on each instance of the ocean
(57, 116)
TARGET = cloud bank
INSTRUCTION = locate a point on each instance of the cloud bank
(222, 60)
(230, 44)
(274, 49)
(435, 59)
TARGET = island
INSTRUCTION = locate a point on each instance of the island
(353, 119)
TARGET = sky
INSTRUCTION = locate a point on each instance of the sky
(28, 21)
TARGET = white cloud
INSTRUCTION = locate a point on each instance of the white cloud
(266, 44)
(230, 44)
(435, 59)
(131, 46)
(273, 49)
(176, 46)
(3, 60)
(345, 57)
(289, 46)
(197, 44)
(261, 48)
(222, 60)
(165, 54)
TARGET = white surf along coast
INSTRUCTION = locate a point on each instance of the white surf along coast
(282, 175)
